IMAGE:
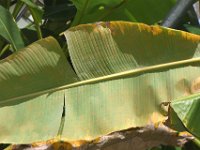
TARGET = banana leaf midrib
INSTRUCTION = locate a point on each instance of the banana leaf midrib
(128, 73)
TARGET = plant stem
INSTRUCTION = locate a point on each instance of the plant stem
(39, 32)
(197, 142)
(193, 16)
(4, 49)
(17, 9)
(177, 13)
(29, 25)
(37, 26)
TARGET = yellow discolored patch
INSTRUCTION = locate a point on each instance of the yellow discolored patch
(97, 140)
(184, 133)
(57, 143)
(191, 37)
(195, 86)
(156, 30)
(49, 142)
(144, 27)
(183, 85)
(61, 145)
(171, 32)
(156, 118)
(77, 143)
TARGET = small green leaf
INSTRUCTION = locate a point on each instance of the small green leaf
(188, 111)
(9, 29)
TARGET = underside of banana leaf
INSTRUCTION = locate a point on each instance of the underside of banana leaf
(125, 76)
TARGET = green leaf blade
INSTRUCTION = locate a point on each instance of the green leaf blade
(137, 68)
(32, 120)
(9, 29)
(126, 10)
(107, 100)
(114, 53)
(29, 115)
(187, 109)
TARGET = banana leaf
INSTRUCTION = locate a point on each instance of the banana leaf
(127, 66)
(127, 10)
(26, 115)
(128, 73)
(187, 109)
(9, 29)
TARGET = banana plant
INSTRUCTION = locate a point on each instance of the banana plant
(117, 93)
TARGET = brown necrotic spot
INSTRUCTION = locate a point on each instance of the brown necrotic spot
(195, 86)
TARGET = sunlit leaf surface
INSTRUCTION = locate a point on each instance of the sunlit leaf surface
(129, 73)
(26, 114)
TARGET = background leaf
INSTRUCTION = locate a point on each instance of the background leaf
(58, 15)
(146, 11)
(59, 12)
(9, 29)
